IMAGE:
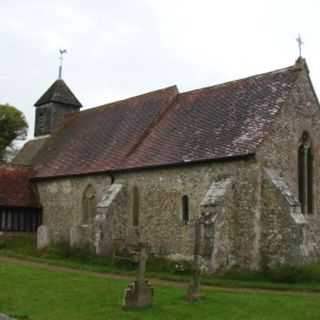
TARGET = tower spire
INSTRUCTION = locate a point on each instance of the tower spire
(62, 52)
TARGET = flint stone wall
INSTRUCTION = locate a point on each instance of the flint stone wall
(62, 203)
(217, 220)
(283, 224)
(160, 217)
(279, 152)
(110, 224)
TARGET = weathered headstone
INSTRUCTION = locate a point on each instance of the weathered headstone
(193, 293)
(139, 294)
(43, 237)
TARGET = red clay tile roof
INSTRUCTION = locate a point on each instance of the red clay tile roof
(165, 127)
(59, 92)
(15, 187)
(99, 139)
(227, 120)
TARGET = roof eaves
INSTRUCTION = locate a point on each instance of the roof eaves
(247, 156)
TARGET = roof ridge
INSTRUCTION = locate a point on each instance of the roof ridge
(152, 125)
(114, 103)
(227, 83)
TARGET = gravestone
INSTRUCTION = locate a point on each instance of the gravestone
(193, 293)
(43, 238)
(139, 294)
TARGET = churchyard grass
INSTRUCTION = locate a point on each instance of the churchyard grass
(32, 293)
(302, 279)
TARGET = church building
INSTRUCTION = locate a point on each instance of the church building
(242, 156)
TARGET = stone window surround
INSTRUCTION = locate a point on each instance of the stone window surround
(305, 174)
(88, 205)
(185, 209)
(135, 206)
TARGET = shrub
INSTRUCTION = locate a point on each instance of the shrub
(19, 243)
(287, 274)
(237, 273)
(294, 274)
(62, 250)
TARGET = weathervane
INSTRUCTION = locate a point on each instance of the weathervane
(62, 52)
(300, 43)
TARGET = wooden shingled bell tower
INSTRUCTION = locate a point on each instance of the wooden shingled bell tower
(54, 104)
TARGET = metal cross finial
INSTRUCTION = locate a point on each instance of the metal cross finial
(300, 43)
(62, 52)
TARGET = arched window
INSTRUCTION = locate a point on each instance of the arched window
(135, 206)
(88, 204)
(305, 174)
(185, 209)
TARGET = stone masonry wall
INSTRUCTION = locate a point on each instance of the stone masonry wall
(62, 202)
(160, 218)
(279, 151)
(282, 224)
(110, 224)
(217, 217)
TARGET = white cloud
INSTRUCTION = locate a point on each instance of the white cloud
(122, 48)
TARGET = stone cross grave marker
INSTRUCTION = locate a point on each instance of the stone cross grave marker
(142, 264)
(193, 293)
(139, 294)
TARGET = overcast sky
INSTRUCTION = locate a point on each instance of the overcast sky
(120, 48)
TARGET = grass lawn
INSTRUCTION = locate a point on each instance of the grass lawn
(34, 294)
(23, 247)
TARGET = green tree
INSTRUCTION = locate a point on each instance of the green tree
(13, 127)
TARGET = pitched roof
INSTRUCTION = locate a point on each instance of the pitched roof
(222, 121)
(99, 139)
(15, 187)
(166, 128)
(29, 151)
(59, 92)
